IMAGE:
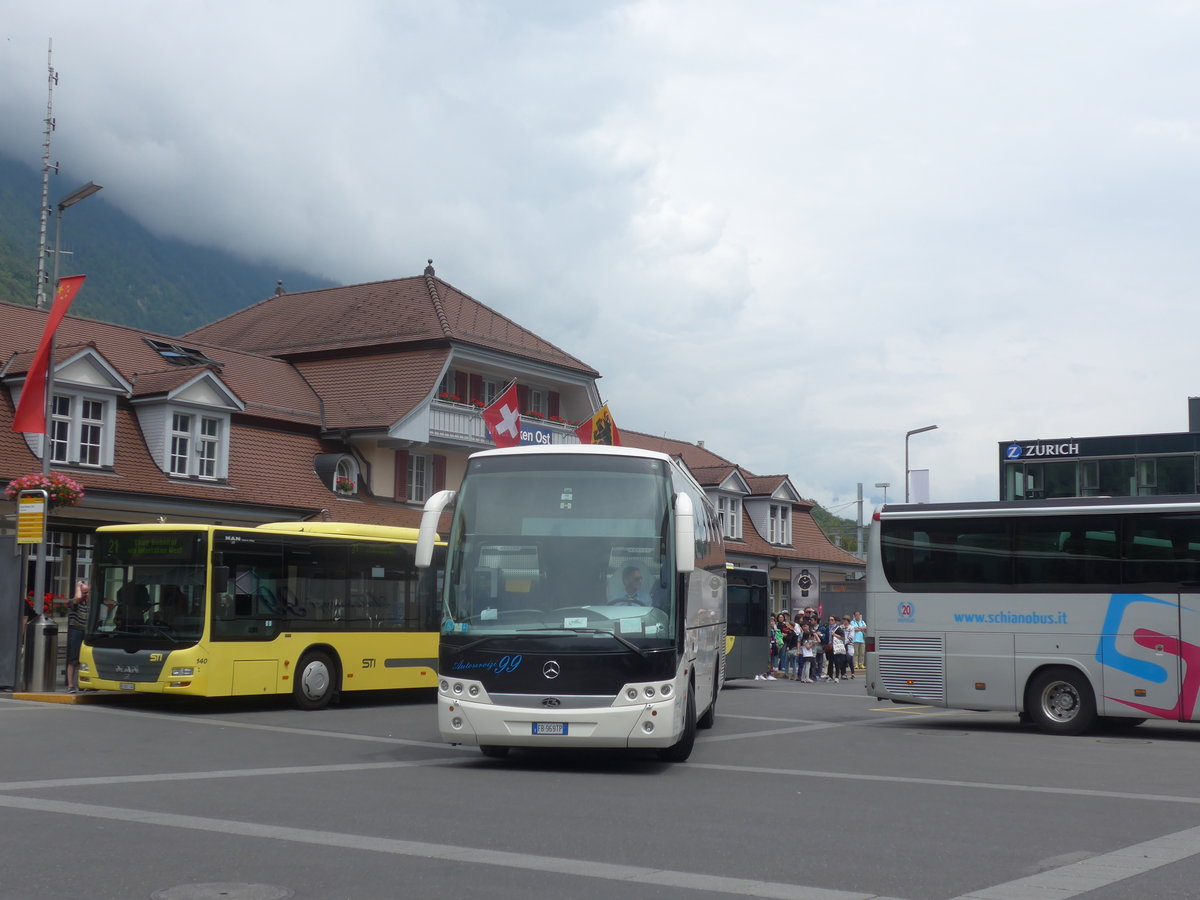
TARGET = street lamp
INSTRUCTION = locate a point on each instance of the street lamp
(39, 568)
(885, 485)
(907, 435)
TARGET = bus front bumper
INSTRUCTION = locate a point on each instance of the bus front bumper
(474, 719)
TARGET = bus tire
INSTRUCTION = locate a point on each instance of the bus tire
(682, 748)
(710, 715)
(491, 751)
(1061, 701)
(315, 681)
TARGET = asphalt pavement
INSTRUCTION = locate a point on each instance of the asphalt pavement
(800, 791)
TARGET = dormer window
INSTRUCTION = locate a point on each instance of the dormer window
(186, 418)
(196, 445)
(80, 430)
(779, 525)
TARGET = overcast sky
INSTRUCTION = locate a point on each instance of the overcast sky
(793, 230)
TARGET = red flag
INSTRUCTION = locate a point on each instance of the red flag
(31, 408)
(599, 429)
(503, 418)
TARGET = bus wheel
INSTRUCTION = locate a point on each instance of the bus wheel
(314, 687)
(1060, 701)
(491, 751)
(682, 749)
(710, 715)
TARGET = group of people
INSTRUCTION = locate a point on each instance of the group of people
(810, 651)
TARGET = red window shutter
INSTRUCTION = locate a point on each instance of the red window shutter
(552, 404)
(401, 475)
(460, 385)
(476, 388)
(439, 473)
(523, 397)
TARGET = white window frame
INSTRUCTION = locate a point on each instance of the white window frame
(420, 477)
(729, 512)
(200, 448)
(779, 525)
(68, 429)
(346, 468)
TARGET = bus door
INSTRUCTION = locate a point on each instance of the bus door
(1189, 655)
(1140, 650)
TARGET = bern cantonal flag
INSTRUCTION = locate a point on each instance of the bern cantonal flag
(503, 418)
(30, 416)
(599, 429)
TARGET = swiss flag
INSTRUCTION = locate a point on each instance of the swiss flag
(503, 418)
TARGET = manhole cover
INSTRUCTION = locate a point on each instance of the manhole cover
(223, 890)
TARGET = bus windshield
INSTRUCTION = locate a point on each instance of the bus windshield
(149, 588)
(579, 544)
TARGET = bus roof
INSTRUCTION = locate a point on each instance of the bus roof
(1054, 507)
(574, 449)
(345, 529)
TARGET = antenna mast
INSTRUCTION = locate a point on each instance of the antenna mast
(47, 167)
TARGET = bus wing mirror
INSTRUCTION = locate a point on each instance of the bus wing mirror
(220, 579)
(434, 507)
(685, 534)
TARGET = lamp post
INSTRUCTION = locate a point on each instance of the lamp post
(885, 485)
(907, 435)
(37, 676)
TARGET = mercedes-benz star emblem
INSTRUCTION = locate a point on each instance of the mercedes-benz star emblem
(551, 669)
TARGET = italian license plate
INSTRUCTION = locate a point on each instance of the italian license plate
(128, 686)
(549, 727)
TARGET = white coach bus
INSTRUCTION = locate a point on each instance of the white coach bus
(1066, 611)
(584, 602)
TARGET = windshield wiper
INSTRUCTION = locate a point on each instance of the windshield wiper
(612, 634)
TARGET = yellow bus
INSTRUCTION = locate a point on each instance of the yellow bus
(306, 608)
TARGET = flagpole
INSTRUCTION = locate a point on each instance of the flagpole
(39, 568)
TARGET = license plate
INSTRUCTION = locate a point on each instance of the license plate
(549, 727)
(128, 686)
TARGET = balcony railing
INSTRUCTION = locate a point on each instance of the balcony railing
(461, 423)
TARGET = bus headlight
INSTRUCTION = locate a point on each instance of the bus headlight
(84, 667)
(182, 672)
(666, 690)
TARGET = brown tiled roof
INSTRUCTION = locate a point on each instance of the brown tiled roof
(809, 543)
(693, 456)
(404, 311)
(808, 540)
(373, 391)
(267, 386)
(147, 384)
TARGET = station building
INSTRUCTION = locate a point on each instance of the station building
(353, 403)
(1130, 465)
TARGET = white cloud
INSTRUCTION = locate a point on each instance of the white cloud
(808, 228)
